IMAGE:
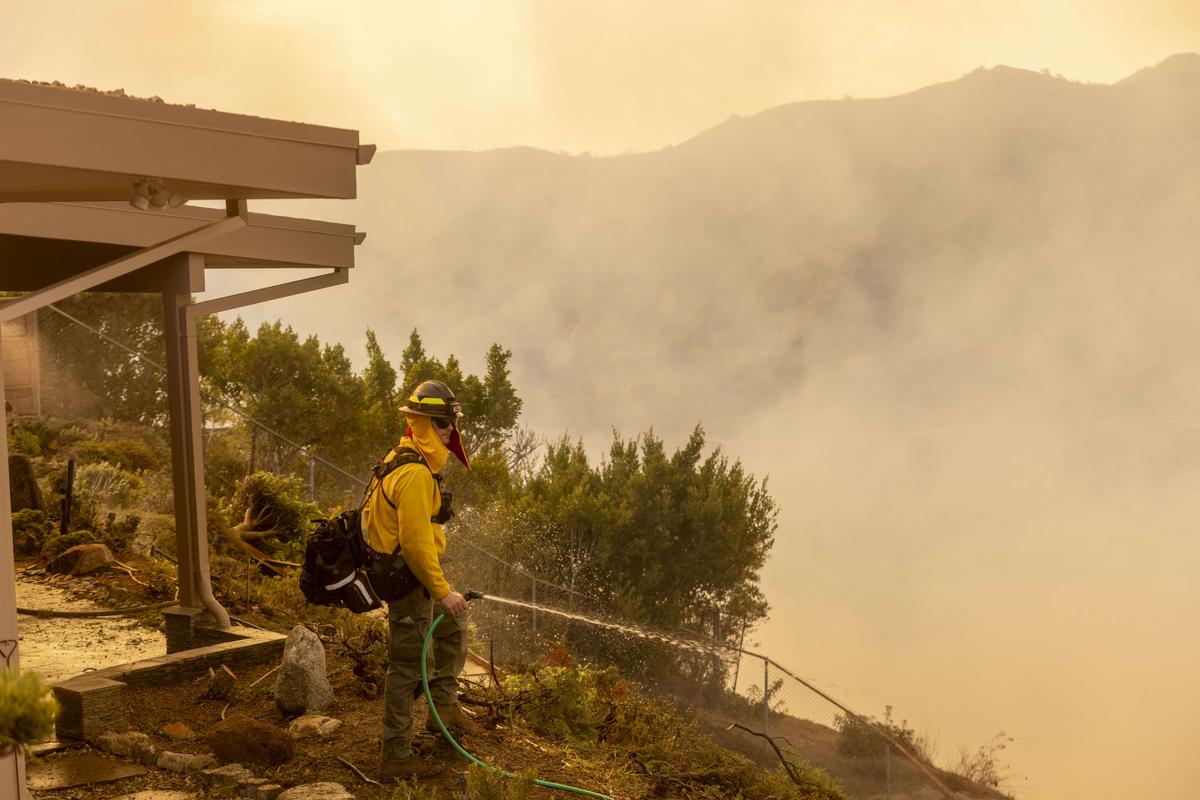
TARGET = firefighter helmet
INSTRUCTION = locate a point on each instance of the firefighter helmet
(433, 399)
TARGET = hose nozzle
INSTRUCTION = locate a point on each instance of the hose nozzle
(471, 594)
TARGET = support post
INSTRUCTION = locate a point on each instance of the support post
(312, 476)
(887, 770)
(741, 654)
(533, 613)
(12, 765)
(187, 451)
(766, 695)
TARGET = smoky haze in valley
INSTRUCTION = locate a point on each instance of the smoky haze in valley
(956, 327)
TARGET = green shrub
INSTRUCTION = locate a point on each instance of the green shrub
(225, 465)
(860, 737)
(596, 710)
(158, 494)
(23, 440)
(266, 502)
(127, 454)
(52, 434)
(118, 534)
(84, 508)
(27, 709)
(31, 529)
(64, 437)
(58, 543)
(414, 791)
(487, 784)
(108, 485)
(160, 576)
(563, 703)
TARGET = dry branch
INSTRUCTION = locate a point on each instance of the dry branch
(220, 684)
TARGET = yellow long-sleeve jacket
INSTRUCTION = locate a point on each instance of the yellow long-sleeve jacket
(417, 497)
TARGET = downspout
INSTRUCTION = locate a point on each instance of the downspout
(187, 322)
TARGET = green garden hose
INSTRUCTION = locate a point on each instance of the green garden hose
(438, 719)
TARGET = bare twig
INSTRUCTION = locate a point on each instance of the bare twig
(264, 675)
(492, 664)
(359, 772)
(788, 766)
(128, 570)
(154, 551)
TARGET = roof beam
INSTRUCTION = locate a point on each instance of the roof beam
(115, 269)
(47, 241)
(219, 304)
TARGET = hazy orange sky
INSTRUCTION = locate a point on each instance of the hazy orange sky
(564, 74)
(617, 76)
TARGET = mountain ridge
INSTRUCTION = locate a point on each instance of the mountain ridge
(765, 236)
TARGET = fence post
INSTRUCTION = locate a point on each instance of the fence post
(312, 483)
(887, 769)
(534, 610)
(738, 667)
(766, 696)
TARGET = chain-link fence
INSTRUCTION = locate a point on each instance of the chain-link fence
(526, 620)
(747, 701)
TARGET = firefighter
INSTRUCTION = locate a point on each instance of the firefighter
(406, 509)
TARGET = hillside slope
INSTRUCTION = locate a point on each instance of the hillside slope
(779, 243)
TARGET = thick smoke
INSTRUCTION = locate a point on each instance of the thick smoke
(955, 327)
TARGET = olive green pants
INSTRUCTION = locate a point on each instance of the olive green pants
(409, 619)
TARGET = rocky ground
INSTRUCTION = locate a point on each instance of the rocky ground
(177, 719)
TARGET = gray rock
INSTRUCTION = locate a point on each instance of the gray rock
(317, 791)
(145, 753)
(267, 791)
(81, 559)
(228, 775)
(122, 744)
(314, 726)
(23, 488)
(250, 787)
(184, 762)
(302, 686)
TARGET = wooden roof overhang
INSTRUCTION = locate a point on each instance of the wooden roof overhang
(93, 196)
(42, 243)
(59, 144)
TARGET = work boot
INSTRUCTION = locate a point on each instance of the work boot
(458, 723)
(401, 769)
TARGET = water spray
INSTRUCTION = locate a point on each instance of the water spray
(469, 596)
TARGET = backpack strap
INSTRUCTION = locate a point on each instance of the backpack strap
(403, 456)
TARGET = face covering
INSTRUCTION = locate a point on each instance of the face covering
(423, 435)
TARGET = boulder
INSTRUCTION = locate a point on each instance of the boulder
(316, 791)
(23, 487)
(302, 686)
(243, 740)
(314, 726)
(81, 559)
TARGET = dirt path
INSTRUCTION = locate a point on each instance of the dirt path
(58, 648)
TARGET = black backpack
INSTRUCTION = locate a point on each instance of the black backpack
(341, 569)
